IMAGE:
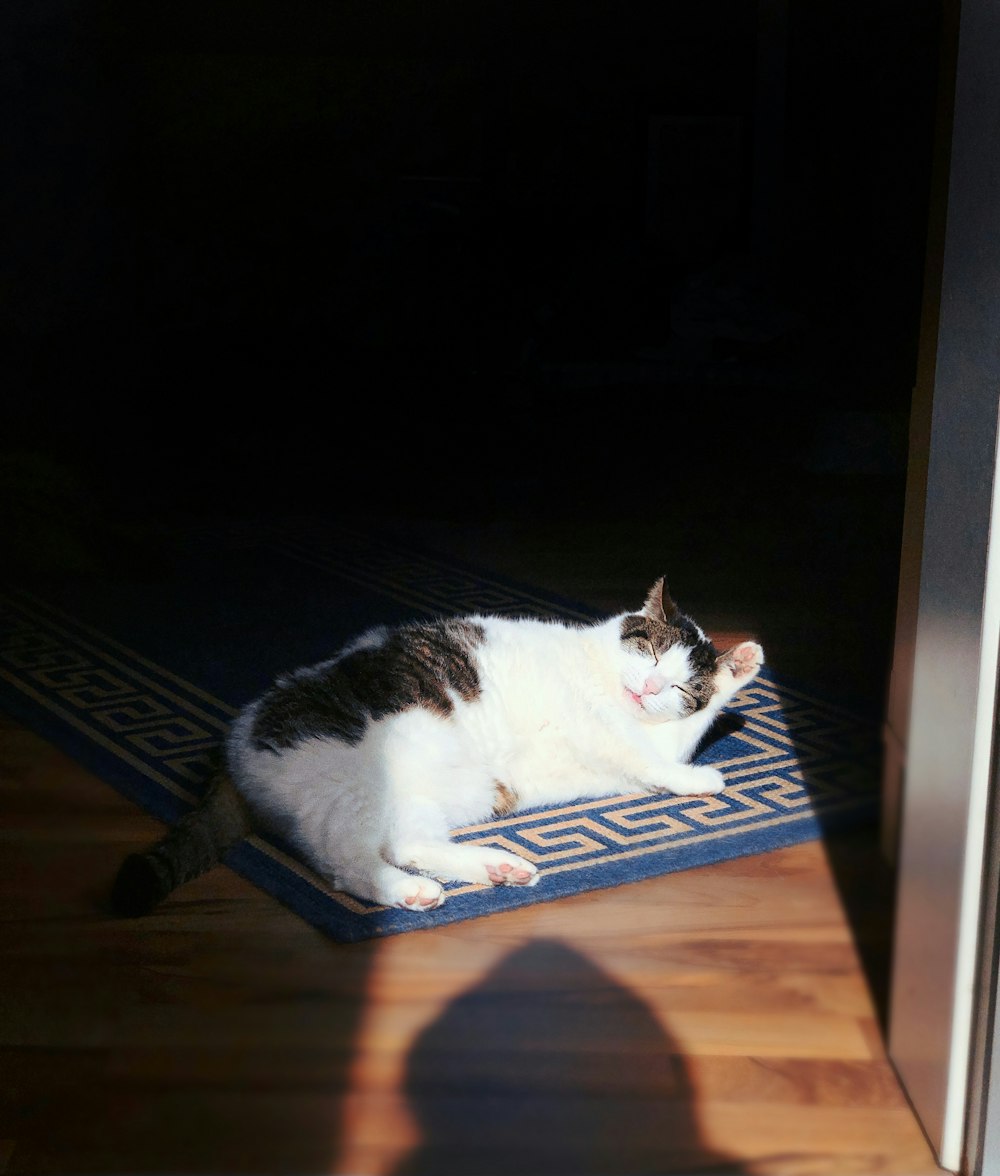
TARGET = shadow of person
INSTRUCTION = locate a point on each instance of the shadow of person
(551, 1067)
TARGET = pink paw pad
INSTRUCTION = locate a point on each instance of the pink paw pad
(745, 659)
(505, 873)
(428, 896)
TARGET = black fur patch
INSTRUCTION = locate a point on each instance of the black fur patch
(416, 665)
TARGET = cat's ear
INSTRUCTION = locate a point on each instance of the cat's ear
(658, 604)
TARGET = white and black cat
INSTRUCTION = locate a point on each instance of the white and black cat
(366, 762)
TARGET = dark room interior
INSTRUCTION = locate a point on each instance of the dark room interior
(475, 264)
(465, 260)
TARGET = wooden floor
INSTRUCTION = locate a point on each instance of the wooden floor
(724, 1019)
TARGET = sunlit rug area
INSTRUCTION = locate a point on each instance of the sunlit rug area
(138, 680)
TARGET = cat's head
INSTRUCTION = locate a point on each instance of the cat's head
(668, 665)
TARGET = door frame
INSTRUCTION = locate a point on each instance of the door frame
(941, 1001)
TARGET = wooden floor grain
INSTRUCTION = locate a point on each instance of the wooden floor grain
(723, 1019)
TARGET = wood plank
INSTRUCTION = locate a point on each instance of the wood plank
(719, 1016)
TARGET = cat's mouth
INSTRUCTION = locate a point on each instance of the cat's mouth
(636, 698)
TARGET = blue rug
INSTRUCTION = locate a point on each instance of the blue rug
(138, 681)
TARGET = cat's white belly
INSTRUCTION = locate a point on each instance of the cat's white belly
(541, 753)
(406, 762)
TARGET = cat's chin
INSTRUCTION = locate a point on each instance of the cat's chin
(652, 713)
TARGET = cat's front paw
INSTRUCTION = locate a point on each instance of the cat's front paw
(692, 781)
(743, 661)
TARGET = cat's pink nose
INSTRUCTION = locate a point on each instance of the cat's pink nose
(651, 686)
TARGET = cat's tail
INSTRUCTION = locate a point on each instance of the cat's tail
(195, 844)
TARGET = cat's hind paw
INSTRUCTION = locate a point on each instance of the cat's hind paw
(506, 873)
(480, 864)
(419, 894)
